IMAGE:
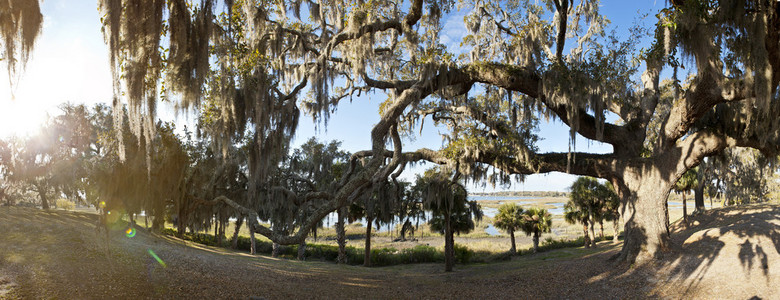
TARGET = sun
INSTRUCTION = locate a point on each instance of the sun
(19, 117)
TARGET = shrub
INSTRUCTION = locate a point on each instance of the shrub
(65, 204)
(463, 254)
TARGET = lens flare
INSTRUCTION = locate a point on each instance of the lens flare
(130, 232)
(162, 263)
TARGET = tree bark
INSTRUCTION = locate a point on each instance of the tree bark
(275, 249)
(367, 251)
(666, 215)
(449, 244)
(302, 250)
(513, 250)
(592, 229)
(252, 240)
(44, 201)
(698, 191)
(616, 224)
(536, 241)
(216, 230)
(239, 222)
(645, 234)
(601, 229)
(586, 234)
(685, 209)
(341, 236)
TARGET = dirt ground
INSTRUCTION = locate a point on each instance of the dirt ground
(728, 253)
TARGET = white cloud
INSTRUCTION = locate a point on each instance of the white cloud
(453, 32)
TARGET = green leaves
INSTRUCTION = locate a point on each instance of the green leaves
(536, 221)
(509, 217)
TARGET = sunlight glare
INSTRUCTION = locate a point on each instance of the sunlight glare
(157, 258)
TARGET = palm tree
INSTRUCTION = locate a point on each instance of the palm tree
(535, 222)
(573, 214)
(509, 218)
(451, 211)
(610, 210)
(584, 195)
(688, 181)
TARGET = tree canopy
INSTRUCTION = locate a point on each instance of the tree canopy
(255, 65)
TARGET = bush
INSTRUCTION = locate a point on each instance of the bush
(463, 254)
(65, 204)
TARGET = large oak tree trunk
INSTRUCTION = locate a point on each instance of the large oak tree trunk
(645, 231)
(367, 251)
(449, 245)
(616, 226)
(341, 236)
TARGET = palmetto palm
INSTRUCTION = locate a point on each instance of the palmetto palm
(451, 210)
(535, 222)
(688, 181)
(573, 214)
(509, 218)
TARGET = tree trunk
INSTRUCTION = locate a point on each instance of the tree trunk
(44, 201)
(239, 222)
(698, 194)
(685, 209)
(513, 250)
(601, 229)
(341, 236)
(221, 239)
(449, 244)
(586, 234)
(252, 240)
(666, 215)
(592, 231)
(275, 249)
(536, 241)
(216, 229)
(616, 224)
(645, 231)
(302, 250)
(367, 251)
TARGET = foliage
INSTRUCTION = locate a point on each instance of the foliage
(509, 217)
(536, 221)
(65, 204)
(251, 67)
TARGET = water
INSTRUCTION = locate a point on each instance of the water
(492, 230)
(558, 210)
(330, 222)
(493, 198)
(489, 212)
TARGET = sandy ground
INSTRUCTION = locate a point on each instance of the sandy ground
(728, 253)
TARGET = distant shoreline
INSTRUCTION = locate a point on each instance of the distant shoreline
(538, 194)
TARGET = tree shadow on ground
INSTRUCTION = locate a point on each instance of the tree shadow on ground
(722, 249)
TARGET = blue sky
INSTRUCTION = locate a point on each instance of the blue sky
(70, 63)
